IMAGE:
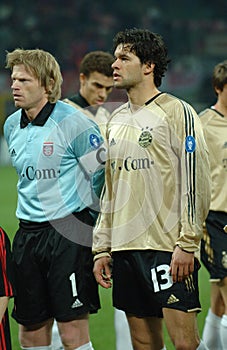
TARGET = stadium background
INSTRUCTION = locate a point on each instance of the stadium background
(195, 33)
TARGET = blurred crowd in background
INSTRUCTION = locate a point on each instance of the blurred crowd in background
(195, 33)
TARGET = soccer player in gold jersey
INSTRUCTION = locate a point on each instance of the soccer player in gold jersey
(156, 198)
(214, 242)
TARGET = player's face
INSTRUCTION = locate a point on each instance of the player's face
(95, 88)
(127, 68)
(27, 90)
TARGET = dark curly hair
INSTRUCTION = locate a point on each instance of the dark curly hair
(97, 61)
(149, 47)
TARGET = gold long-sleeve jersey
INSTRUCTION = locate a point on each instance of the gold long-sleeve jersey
(157, 191)
(215, 132)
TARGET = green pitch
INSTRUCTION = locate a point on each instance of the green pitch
(102, 323)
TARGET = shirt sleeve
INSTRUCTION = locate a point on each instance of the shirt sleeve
(6, 286)
(102, 230)
(88, 147)
(195, 178)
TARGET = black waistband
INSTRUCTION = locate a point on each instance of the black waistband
(83, 215)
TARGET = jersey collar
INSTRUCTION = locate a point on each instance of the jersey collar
(40, 119)
(215, 110)
(82, 102)
(153, 98)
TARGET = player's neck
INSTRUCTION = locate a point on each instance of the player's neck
(138, 97)
(221, 108)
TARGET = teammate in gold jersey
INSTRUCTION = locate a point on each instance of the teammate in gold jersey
(156, 198)
(214, 242)
(96, 84)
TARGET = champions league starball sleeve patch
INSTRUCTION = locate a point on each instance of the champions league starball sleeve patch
(96, 158)
(190, 144)
(94, 141)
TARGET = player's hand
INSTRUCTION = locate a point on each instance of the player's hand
(102, 271)
(182, 264)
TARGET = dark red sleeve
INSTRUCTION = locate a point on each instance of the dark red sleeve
(6, 288)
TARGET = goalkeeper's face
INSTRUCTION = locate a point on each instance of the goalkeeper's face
(27, 91)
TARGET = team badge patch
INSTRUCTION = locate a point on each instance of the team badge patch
(145, 139)
(94, 140)
(190, 144)
(48, 148)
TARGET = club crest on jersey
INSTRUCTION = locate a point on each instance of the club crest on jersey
(190, 144)
(48, 148)
(94, 141)
(145, 138)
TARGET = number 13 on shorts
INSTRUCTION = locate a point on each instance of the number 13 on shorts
(161, 273)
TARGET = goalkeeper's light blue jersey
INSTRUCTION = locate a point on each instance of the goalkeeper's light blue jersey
(59, 161)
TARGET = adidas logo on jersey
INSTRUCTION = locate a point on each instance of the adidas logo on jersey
(172, 299)
(112, 142)
(13, 153)
(77, 303)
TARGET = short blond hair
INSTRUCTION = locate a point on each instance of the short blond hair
(42, 65)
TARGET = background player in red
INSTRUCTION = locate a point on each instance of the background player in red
(6, 290)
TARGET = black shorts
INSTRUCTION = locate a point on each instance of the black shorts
(214, 246)
(142, 285)
(54, 276)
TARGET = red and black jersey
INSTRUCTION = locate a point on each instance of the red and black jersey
(6, 287)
